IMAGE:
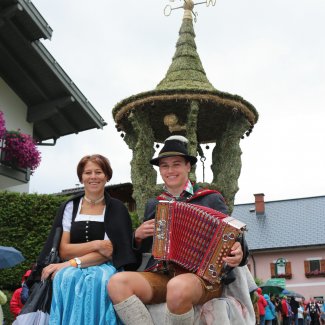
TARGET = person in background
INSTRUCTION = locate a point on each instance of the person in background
(285, 311)
(322, 315)
(262, 303)
(3, 300)
(15, 303)
(294, 304)
(270, 313)
(314, 311)
(278, 309)
(25, 287)
(274, 302)
(96, 243)
(301, 314)
(254, 298)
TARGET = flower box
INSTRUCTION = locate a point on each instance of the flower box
(282, 275)
(315, 274)
(19, 151)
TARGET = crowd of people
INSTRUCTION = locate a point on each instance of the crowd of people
(282, 310)
(97, 280)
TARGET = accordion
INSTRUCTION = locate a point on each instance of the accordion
(195, 238)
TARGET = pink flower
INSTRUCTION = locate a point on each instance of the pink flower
(2, 125)
(20, 150)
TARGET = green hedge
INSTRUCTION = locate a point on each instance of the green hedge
(25, 222)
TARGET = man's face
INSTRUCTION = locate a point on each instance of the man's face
(174, 172)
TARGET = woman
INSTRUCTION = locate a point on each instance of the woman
(95, 244)
(301, 313)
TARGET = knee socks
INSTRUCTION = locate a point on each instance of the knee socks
(183, 319)
(133, 311)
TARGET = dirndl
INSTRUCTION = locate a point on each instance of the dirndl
(80, 296)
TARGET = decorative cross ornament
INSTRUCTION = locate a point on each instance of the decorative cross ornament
(189, 5)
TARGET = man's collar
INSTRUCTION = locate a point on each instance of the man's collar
(188, 189)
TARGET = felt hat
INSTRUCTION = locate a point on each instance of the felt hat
(175, 145)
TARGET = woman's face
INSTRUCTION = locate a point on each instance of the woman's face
(93, 178)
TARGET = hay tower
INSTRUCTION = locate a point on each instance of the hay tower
(185, 103)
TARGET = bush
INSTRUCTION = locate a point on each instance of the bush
(25, 222)
(135, 220)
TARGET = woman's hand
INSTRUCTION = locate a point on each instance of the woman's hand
(145, 230)
(236, 255)
(105, 248)
(52, 269)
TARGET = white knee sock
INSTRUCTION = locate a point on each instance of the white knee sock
(183, 319)
(133, 311)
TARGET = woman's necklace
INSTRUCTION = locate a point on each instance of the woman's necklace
(93, 202)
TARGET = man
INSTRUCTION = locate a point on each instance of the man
(130, 291)
(314, 311)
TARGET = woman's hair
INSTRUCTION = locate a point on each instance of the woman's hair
(100, 160)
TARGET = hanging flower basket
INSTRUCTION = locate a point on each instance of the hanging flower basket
(20, 151)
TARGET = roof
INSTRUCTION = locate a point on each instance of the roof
(56, 107)
(294, 223)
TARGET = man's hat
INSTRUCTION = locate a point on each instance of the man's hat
(175, 145)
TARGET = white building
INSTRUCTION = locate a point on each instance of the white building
(36, 95)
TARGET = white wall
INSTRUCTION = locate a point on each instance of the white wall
(15, 112)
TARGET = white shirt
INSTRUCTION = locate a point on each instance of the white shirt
(67, 217)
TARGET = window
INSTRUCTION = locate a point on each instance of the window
(314, 265)
(314, 268)
(281, 268)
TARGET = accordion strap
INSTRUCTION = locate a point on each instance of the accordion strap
(199, 193)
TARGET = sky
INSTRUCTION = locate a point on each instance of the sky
(272, 53)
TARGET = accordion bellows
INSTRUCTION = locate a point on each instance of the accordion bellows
(195, 238)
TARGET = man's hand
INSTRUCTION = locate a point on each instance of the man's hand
(145, 230)
(235, 256)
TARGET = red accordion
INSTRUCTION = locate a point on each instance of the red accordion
(194, 237)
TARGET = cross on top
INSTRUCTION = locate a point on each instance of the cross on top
(188, 5)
